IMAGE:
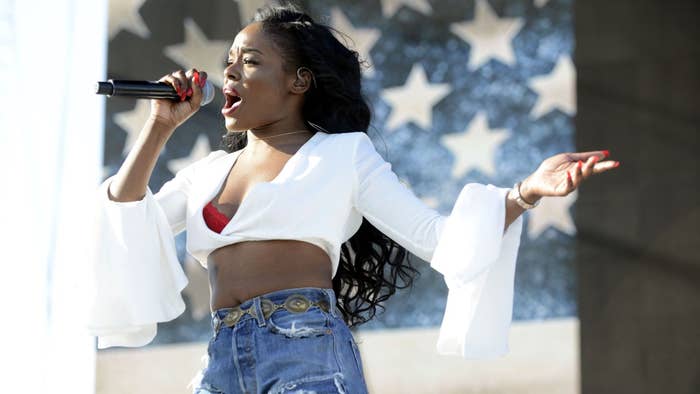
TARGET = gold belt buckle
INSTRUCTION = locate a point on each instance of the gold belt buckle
(268, 307)
(233, 316)
(296, 303)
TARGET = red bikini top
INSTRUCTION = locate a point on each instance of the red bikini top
(214, 219)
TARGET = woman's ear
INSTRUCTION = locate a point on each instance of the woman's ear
(303, 81)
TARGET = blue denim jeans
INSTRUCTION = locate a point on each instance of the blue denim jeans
(289, 352)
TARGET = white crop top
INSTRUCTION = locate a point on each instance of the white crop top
(320, 197)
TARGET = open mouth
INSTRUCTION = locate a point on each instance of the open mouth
(233, 101)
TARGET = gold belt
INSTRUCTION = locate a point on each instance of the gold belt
(296, 303)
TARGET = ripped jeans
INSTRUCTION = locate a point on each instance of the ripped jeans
(310, 352)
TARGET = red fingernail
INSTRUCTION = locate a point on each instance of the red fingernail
(579, 164)
(595, 159)
(196, 77)
(606, 153)
(568, 176)
(617, 164)
(189, 91)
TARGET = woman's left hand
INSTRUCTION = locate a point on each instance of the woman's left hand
(559, 175)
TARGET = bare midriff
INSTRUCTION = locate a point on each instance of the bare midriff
(243, 270)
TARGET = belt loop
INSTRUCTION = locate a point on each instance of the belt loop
(213, 322)
(258, 312)
(331, 301)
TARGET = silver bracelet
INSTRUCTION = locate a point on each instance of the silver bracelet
(519, 198)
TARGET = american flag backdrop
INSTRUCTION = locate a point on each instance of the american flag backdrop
(461, 91)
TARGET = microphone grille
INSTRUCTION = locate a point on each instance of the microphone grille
(207, 93)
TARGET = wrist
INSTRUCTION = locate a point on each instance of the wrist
(158, 128)
(527, 194)
(161, 124)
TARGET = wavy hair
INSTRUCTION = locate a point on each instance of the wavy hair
(370, 262)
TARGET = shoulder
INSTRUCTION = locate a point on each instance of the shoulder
(349, 140)
(347, 144)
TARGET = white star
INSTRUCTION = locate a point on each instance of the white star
(389, 7)
(414, 100)
(200, 150)
(488, 35)
(124, 14)
(557, 89)
(541, 3)
(364, 39)
(201, 53)
(475, 147)
(132, 122)
(552, 212)
(197, 289)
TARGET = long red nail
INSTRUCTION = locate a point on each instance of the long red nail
(196, 77)
(189, 91)
(617, 164)
(579, 164)
(606, 153)
(569, 176)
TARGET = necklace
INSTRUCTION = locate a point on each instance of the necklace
(292, 132)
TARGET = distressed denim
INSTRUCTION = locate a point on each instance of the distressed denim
(301, 353)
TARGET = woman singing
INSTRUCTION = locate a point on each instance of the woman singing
(302, 225)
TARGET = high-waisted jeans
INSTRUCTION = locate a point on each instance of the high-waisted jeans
(288, 352)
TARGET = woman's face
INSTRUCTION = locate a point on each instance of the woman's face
(254, 70)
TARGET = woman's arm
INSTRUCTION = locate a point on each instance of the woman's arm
(129, 183)
(558, 175)
(513, 210)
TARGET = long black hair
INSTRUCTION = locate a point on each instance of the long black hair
(370, 262)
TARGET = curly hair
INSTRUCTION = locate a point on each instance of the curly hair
(370, 262)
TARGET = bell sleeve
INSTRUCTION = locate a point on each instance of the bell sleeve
(469, 248)
(135, 276)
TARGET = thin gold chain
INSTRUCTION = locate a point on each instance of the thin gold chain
(292, 132)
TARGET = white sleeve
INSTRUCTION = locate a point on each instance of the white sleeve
(389, 205)
(468, 247)
(136, 278)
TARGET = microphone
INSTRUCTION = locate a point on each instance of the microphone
(148, 90)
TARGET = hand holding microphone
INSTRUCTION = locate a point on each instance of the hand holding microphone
(174, 98)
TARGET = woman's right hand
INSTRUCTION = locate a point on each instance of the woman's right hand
(188, 85)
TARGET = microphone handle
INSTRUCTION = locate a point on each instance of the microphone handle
(137, 89)
(147, 90)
